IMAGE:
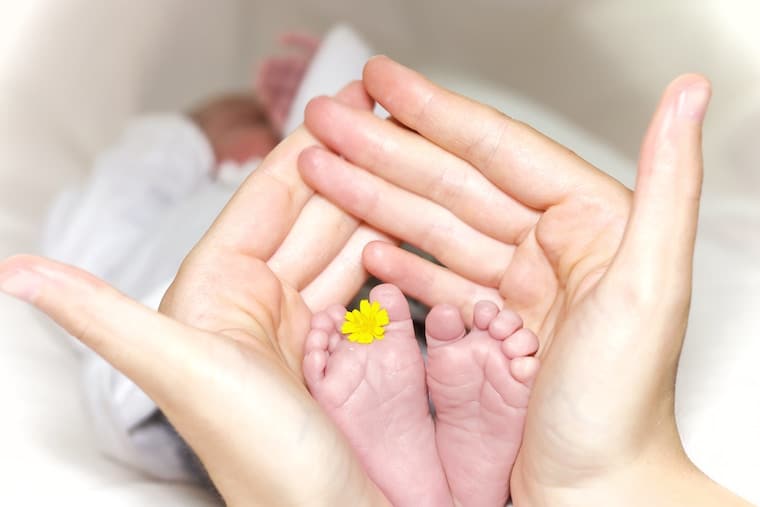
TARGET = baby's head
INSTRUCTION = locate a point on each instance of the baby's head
(237, 128)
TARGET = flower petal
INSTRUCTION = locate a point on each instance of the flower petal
(382, 319)
(348, 328)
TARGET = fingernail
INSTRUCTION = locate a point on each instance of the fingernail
(24, 285)
(692, 103)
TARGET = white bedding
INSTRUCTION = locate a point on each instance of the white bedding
(73, 71)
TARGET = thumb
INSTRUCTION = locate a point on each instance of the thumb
(658, 244)
(139, 342)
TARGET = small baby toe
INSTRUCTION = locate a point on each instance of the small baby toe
(333, 341)
(314, 364)
(317, 339)
(322, 320)
(522, 342)
(524, 369)
(337, 315)
(504, 324)
(483, 313)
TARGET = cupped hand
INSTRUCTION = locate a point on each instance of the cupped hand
(603, 275)
(223, 358)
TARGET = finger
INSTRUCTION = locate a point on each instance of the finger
(137, 341)
(411, 162)
(304, 253)
(407, 216)
(659, 238)
(521, 161)
(320, 232)
(275, 191)
(425, 281)
(344, 276)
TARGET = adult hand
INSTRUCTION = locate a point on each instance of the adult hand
(224, 360)
(602, 276)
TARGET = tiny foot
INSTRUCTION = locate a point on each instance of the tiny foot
(376, 394)
(480, 385)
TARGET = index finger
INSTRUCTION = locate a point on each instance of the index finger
(521, 161)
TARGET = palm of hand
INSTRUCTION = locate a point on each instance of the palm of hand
(557, 283)
(253, 375)
(249, 284)
(242, 298)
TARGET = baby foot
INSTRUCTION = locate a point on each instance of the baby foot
(480, 384)
(376, 395)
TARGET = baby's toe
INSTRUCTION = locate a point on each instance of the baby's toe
(317, 339)
(522, 342)
(314, 364)
(322, 320)
(336, 314)
(483, 313)
(504, 324)
(315, 357)
(333, 340)
(524, 369)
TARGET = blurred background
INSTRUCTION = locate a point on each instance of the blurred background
(587, 72)
(598, 64)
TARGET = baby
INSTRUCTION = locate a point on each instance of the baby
(148, 200)
(377, 394)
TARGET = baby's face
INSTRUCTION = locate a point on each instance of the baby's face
(237, 128)
(245, 142)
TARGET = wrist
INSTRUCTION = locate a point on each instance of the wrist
(658, 479)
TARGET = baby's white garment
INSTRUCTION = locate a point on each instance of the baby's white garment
(149, 200)
(158, 161)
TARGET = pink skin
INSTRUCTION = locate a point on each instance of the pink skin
(246, 142)
(278, 77)
(236, 127)
(376, 395)
(480, 385)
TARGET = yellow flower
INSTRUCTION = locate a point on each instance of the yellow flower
(366, 324)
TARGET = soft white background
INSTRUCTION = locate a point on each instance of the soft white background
(588, 72)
